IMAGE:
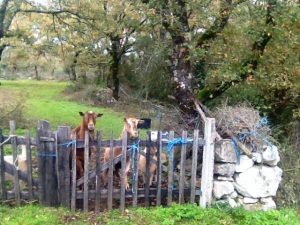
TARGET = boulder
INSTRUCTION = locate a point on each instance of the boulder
(258, 181)
(245, 164)
(270, 155)
(224, 169)
(268, 203)
(222, 189)
(247, 200)
(225, 178)
(257, 157)
(224, 152)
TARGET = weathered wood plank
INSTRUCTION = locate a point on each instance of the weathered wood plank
(98, 173)
(110, 174)
(63, 166)
(170, 170)
(208, 163)
(194, 166)
(86, 173)
(73, 194)
(158, 170)
(48, 156)
(12, 127)
(2, 169)
(135, 178)
(123, 174)
(182, 169)
(29, 164)
(147, 178)
(9, 168)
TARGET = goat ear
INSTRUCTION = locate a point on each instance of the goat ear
(99, 114)
(125, 119)
(81, 113)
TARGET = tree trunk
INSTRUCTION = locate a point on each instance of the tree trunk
(114, 70)
(73, 66)
(36, 72)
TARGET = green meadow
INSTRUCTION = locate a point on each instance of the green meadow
(45, 100)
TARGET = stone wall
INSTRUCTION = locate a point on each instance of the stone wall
(251, 182)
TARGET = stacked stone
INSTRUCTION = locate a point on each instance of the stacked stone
(251, 183)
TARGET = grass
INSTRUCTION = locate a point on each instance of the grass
(176, 214)
(45, 100)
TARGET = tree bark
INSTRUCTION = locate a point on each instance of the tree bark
(73, 66)
(113, 81)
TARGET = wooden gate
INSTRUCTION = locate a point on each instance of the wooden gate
(50, 175)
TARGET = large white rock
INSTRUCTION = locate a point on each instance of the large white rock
(224, 169)
(270, 155)
(245, 164)
(224, 152)
(257, 157)
(258, 181)
(268, 203)
(222, 189)
(247, 200)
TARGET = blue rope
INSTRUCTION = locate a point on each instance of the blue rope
(236, 149)
(177, 141)
(134, 150)
(67, 144)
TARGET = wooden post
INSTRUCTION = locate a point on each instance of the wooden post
(194, 165)
(159, 168)
(135, 171)
(29, 164)
(2, 170)
(171, 170)
(147, 182)
(208, 163)
(63, 164)
(48, 189)
(14, 147)
(123, 163)
(86, 173)
(98, 173)
(73, 194)
(182, 169)
(110, 173)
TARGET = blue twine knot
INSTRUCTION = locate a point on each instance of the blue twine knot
(177, 141)
(68, 144)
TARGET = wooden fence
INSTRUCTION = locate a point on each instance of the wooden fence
(50, 176)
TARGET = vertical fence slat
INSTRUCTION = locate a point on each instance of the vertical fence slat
(73, 194)
(135, 171)
(123, 178)
(63, 166)
(14, 147)
(29, 164)
(98, 173)
(194, 165)
(158, 169)
(208, 163)
(147, 182)
(110, 173)
(2, 169)
(182, 169)
(86, 173)
(47, 157)
(170, 170)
